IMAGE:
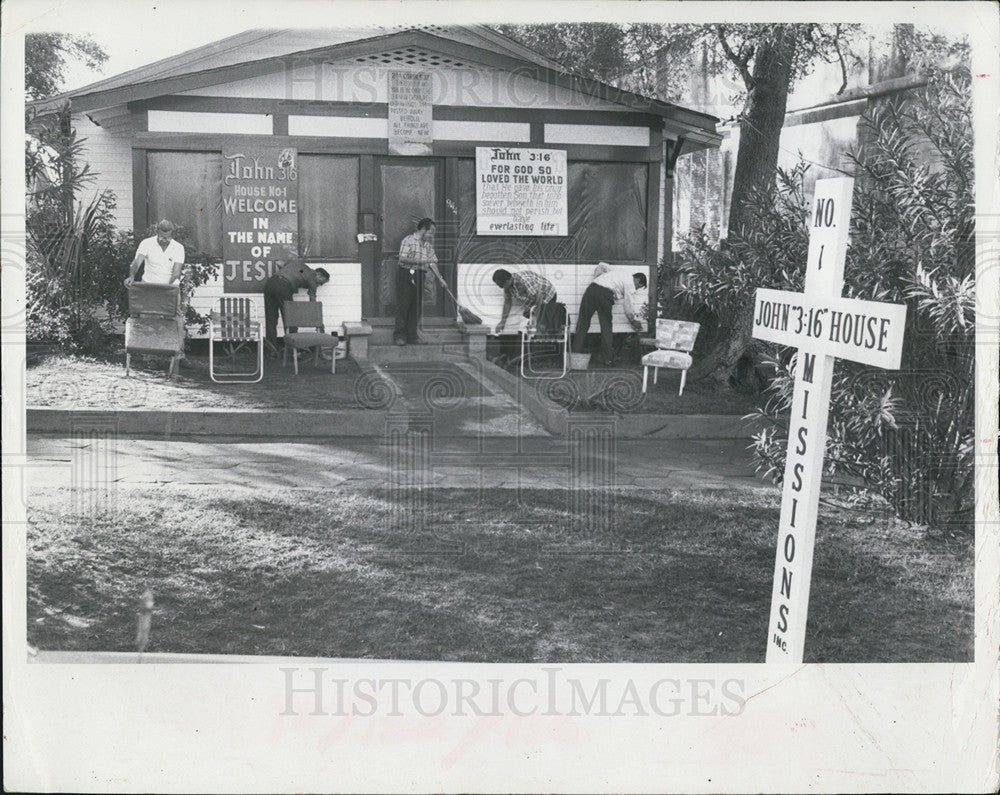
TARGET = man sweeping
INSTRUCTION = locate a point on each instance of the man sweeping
(532, 290)
(416, 255)
(607, 287)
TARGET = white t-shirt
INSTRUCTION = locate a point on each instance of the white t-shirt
(160, 263)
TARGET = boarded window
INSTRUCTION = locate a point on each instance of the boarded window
(607, 218)
(186, 188)
(328, 206)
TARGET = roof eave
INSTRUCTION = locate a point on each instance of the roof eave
(690, 120)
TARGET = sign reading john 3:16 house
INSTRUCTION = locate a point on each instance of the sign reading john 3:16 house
(260, 220)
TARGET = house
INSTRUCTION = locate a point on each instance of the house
(331, 144)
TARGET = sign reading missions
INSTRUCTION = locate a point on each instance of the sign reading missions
(823, 326)
(260, 220)
(410, 114)
(521, 192)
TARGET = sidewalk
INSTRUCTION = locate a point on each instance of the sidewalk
(489, 462)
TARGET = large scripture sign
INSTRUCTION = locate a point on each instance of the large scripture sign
(260, 221)
(521, 192)
(410, 114)
(822, 325)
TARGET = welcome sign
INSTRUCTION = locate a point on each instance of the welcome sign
(260, 221)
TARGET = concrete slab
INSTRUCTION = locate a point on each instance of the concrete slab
(350, 461)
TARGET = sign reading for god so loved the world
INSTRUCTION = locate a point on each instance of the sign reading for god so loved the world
(824, 327)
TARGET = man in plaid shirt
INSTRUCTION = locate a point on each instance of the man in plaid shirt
(416, 256)
(531, 290)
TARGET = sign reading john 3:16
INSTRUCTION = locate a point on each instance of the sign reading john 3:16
(260, 219)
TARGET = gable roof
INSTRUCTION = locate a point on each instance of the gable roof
(226, 60)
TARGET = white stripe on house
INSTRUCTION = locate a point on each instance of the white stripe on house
(341, 296)
(201, 122)
(599, 134)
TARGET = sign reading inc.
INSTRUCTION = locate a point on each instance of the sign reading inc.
(521, 192)
(260, 221)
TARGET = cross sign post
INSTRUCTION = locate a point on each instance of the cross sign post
(823, 326)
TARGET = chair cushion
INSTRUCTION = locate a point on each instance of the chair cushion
(151, 334)
(310, 339)
(676, 359)
(675, 334)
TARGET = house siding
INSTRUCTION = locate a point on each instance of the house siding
(109, 155)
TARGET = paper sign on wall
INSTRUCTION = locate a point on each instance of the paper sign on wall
(410, 114)
(260, 221)
(521, 192)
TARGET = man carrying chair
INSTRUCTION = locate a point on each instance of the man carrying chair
(293, 276)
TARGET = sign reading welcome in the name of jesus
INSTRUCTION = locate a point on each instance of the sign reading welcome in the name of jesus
(260, 221)
(823, 326)
(521, 191)
(410, 114)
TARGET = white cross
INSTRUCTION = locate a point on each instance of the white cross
(823, 326)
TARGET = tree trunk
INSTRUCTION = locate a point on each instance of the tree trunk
(761, 123)
(756, 168)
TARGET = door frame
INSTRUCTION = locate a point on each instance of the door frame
(442, 243)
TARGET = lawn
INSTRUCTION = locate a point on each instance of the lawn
(88, 382)
(498, 575)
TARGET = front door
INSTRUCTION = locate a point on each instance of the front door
(406, 190)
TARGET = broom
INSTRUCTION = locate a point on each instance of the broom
(469, 317)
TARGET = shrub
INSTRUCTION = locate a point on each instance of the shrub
(77, 260)
(905, 435)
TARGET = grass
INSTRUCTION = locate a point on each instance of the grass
(88, 382)
(495, 575)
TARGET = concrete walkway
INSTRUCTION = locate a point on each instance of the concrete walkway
(442, 462)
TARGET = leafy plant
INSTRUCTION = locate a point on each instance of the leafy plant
(904, 435)
(77, 260)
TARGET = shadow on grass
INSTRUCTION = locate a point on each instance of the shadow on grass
(498, 576)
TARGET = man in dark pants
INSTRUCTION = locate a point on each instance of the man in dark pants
(416, 255)
(600, 296)
(290, 278)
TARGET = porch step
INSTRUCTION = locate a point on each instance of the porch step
(444, 335)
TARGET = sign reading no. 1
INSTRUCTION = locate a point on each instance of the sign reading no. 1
(823, 326)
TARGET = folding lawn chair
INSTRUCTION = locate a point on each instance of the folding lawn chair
(235, 324)
(154, 326)
(308, 314)
(557, 338)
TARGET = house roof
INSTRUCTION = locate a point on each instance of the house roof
(226, 60)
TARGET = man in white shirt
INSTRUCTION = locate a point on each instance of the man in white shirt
(607, 287)
(162, 255)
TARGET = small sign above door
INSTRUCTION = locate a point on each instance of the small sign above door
(410, 113)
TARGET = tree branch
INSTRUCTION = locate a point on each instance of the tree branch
(741, 61)
(840, 57)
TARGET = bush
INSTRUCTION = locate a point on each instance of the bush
(904, 435)
(77, 260)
